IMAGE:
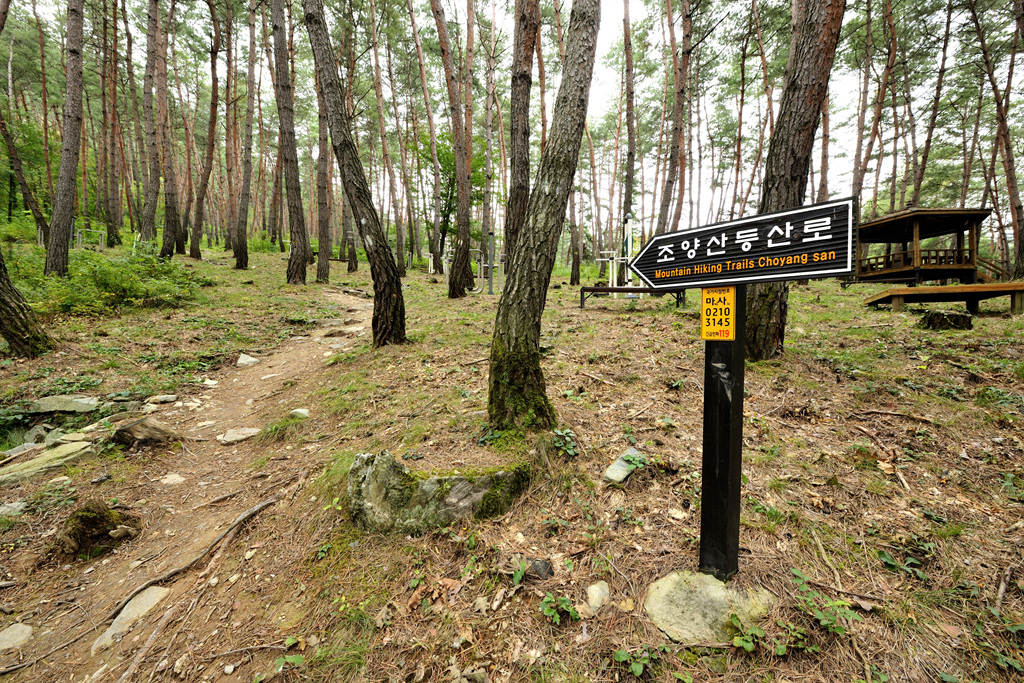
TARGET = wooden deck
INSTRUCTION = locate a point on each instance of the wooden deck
(969, 294)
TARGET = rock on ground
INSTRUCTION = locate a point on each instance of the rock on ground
(245, 361)
(620, 470)
(65, 404)
(49, 460)
(139, 607)
(691, 607)
(235, 435)
(385, 495)
(14, 636)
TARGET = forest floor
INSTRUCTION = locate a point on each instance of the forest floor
(883, 462)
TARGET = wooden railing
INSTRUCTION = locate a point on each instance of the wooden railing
(899, 259)
(905, 259)
(945, 257)
(992, 269)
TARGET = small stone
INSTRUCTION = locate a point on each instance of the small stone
(13, 509)
(236, 435)
(172, 479)
(245, 361)
(150, 408)
(53, 437)
(229, 669)
(234, 577)
(249, 554)
(162, 398)
(59, 481)
(313, 641)
(36, 434)
(597, 595)
(583, 609)
(123, 531)
(620, 470)
(214, 581)
(299, 413)
(14, 636)
(210, 382)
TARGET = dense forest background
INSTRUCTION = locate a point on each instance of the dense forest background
(920, 112)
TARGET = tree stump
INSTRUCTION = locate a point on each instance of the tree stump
(945, 320)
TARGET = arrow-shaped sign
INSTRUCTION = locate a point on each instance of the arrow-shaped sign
(797, 244)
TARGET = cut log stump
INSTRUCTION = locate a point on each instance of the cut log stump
(945, 320)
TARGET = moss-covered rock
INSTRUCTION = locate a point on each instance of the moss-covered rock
(385, 495)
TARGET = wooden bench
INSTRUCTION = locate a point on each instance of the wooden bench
(969, 294)
(587, 292)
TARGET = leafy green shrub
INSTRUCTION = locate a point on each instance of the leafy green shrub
(98, 284)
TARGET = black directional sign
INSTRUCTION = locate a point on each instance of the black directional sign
(809, 242)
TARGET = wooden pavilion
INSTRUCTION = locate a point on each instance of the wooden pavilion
(905, 260)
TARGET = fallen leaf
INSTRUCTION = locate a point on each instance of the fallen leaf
(949, 629)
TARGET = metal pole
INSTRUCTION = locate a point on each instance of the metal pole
(723, 449)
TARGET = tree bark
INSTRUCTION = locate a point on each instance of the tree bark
(26, 192)
(289, 154)
(62, 218)
(172, 215)
(18, 323)
(517, 392)
(242, 229)
(147, 229)
(388, 301)
(789, 156)
(323, 209)
(461, 275)
(527, 21)
(211, 137)
(627, 189)
(435, 234)
(677, 128)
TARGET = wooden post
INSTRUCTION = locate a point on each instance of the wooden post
(917, 251)
(1017, 303)
(897, 303)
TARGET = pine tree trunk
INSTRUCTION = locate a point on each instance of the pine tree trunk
(44, 105)
(435, 233)
(147, 228)
(18, 323)
(460, 277)
(172, 214)
(323, 167)
(789, 155)
(289, 154)
(527, 21)
(517, 392)
(679, 102)
(242, 229)
(62, 218)
(388, 300)
(211, 140)
(26, 192)
(627, 189)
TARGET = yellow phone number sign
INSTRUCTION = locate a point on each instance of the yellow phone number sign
(718, 314)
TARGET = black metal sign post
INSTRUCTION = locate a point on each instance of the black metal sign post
(723, 448)
(812, 241)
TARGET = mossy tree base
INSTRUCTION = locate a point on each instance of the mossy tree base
(517, 396)
(87, 532)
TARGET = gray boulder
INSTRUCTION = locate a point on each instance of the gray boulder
(691, 608)
(385, 495)
(65, 404)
